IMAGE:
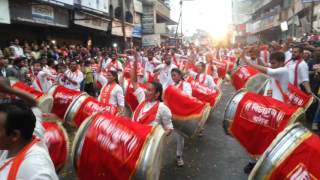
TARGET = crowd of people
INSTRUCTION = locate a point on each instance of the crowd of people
(101, 73)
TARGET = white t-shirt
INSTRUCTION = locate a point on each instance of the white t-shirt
(149, 66)
(37, 165)
(204, 79)
(116, 97)
(18, 51)
(114, 66)
(282, 76)
(45, 83)
(186, 87)
(165, 74)
(264, 55)
(303, 72)
(76, 76)
(163, 116)
(288, 55)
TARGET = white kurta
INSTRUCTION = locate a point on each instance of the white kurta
(163, 116)
(37, 165)
(282, 76)
(303, 72)
(165, 74)
(76, 76)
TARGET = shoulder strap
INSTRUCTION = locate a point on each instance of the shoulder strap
(284, 95)
(296, 73)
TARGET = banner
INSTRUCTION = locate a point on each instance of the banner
(151, 40)
(4, 12)
(91, 21)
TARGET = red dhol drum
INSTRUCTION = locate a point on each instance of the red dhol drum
(62, 98)
(298, 97)
(255, 120)
(211, 96)
(56, 139)
(109, 147)
(189, 113)
(84, 106)
(130, 99)
(45, 101)
(249, 78)
(294, 155)
(222, 68)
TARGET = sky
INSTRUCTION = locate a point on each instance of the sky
(210, 15)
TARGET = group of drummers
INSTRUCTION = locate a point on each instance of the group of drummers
(149, 74)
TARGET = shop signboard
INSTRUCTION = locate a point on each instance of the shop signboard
(151, 40)
(137, 31)
(60, 2)
(42, 13)
(148, 20)
(90, 21)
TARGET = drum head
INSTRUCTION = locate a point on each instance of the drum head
(73, 108)
(78, 142)
(150, 160)
(231, 108)
(278, 150)
(52, 90)
(257, 83)
(51, 121)
(45, 103)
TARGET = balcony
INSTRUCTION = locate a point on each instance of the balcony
(161, 7)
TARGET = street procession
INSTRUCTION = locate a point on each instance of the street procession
(159, 89)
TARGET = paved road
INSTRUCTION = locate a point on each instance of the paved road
(215, 156)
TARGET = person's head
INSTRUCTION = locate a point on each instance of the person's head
(73, 65)
(44, 61)
(3, 61)
(112, 76)
(201, 67)
(176, 75)
(316, 54)
(153, 91)
(16, 41)
(36, 66)
(254, 53)
(17, 123)
(277, 60)
(87, 63)
(150, 55)
(167, 58)
(297, 52)
(113, 55)
(306, 55)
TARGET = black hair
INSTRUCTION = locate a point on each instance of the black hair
(202, 64)
(278, 56)
(158, 88)
(18, 117)
(178, 71)
(115, 75)
(300, 48)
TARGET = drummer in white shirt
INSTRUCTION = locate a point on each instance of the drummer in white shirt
(164, 70)
(185, 88)
(25, 157)
(41, 78)
(201, 76)
(277, 86)
(72, 77)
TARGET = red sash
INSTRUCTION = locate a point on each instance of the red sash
(284, 95)
(296, 72)
(17, 161)
(265, 56)
(149, 116)
(203, 79)
(113, 63)
(130, 98)
(106, 93)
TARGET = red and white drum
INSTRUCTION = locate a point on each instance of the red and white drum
(294, 155)
(222, 67)
(56, 139)
(189, 113)
(62, 98)
(298, 97)
(211, 96)
(255, 120)
(249, 78)
(130, 99)
(45, 101)
(84, 106)
(109, 147)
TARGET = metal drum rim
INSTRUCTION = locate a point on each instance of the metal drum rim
(45, 98)
(261, 86)
(78, 138)
(147, 156)
(240, 92)
(52, 90)
(68, 114)
(282, 139)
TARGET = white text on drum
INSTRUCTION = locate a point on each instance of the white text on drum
(114, 135)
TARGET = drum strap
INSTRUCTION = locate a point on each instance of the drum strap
(17, 161)
(265, 55)
(284, 95)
